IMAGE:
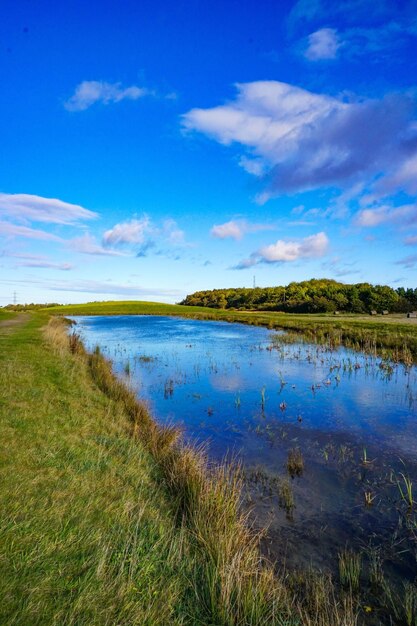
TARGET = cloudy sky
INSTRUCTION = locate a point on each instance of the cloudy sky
(150, 149)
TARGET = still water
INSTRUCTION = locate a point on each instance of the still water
(238, 388)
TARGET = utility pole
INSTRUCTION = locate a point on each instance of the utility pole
(14, 297)
(254, 282)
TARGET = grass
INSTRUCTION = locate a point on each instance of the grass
(406, 491)
(350, 565)
(391, 336)
(295, 462)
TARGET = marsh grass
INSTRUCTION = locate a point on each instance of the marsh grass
(406, 490)
(286, 497)
(350, 566)
(410, 604)
(295, 462)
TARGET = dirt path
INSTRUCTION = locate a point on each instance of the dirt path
(18, 320)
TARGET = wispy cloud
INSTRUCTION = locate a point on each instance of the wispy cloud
(47, 265)
(87, 244)
(364, 28)
(90, 92)
(409, 262)
(109, 287)
(340, 268)
(131, 232)
(14, 230)
(309, 141)
(403, 216)
(284, 251)
(322, 45)
(30, 208)
(237, 229)
(142, 235)
(172, 233)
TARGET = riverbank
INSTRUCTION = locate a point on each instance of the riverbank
(390, 336)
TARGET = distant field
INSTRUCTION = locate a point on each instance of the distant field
(129, 307)
(389, 335)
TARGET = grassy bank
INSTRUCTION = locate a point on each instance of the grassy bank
(87, 533)
(393, 336)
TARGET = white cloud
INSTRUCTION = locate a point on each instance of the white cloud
(89, 92)
(322, 44)
(27, 207)
(310, 247)
(411, 240)
(172, 233)
(131, 232)
(87, 244)
(143, 235)
(314, 246)
(402, 215)
(236, 229)
(13, 230)
(256, 167)
(300, 140)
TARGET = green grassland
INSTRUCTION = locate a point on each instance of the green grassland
(393, 336)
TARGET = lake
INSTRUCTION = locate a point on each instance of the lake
(327, 438)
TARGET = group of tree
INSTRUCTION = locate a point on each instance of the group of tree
(310, 296)
(29, 307)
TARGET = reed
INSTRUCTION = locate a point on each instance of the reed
(295, 462)
(350, 565)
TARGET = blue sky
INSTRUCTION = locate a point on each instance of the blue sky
(151, 149)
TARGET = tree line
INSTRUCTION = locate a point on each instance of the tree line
(310, 296)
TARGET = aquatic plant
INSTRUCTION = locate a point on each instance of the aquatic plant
(406, 491)
(365, 461)
(286, 497)
(376, 573)
(410, 604)
(168, 388)
(350, 564)
(295, 462)
(144, 358)
(369, 498)
(263, 398)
